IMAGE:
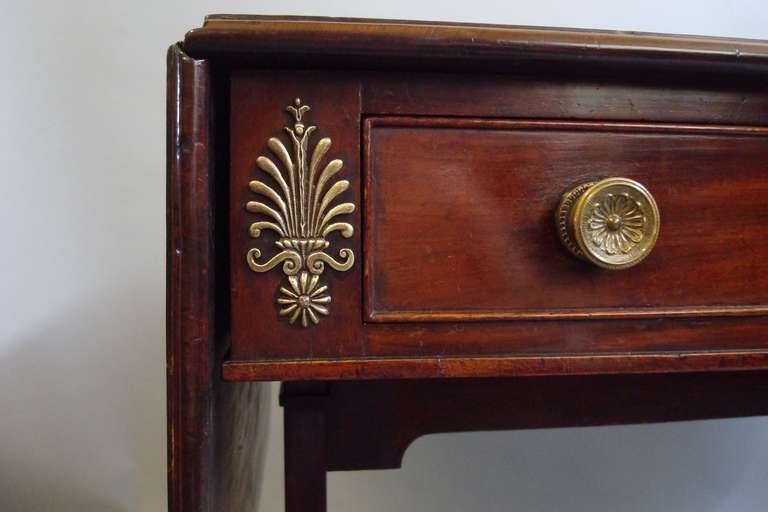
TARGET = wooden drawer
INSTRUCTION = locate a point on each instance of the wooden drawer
(460, 224)
(436, 251)
(362, 199)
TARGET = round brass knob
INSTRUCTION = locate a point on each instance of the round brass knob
(612, 223)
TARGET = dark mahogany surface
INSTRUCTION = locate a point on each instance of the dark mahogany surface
(228, 85)
(369, 425)
(342, 426)
(190, 340)
(702, 98)
(696, 143)
(258, 113)
(392, 44)
(460, 221)
(215, 429)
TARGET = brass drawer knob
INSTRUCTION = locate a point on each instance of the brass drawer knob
(612, 223)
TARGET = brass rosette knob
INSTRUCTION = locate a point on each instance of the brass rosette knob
(613, 222)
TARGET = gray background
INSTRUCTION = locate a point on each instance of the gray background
(82, 355)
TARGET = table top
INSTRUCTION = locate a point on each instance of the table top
(375, 40)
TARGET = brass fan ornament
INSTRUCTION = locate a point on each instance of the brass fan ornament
(300, 209)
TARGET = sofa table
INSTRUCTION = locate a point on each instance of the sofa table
(429, 227)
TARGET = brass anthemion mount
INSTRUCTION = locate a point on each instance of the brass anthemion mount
(300, 209)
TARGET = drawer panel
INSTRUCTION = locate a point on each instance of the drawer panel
(389, 218)
(456, 252)
(460, 226)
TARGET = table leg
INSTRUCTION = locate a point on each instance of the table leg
(305, 453)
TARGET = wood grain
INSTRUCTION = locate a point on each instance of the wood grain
(473, 132)
(370, 424)
(638, 108)
(258, 113)
(633, 95)
(380, 43)
(306, 453)
(190, 285)
(216, 430)
(489, 366)
(459, 219)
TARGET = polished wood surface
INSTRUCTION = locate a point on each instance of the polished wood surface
(459, 314)
(460, 224)
(492, 366)
(216, 430)
(190, 284)
(697, 143)
(306, 451)
(378, 43)
(258, 113)
(632, 95)
(346, 426)
(369, 425)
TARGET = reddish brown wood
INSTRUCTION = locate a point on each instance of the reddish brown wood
(631, 95)
(560, 341)
(215, 430)
(190, 284)
(263, 337)
(489, 366)
(672, 339)
(380, 43)
(342, 426)
(371, 424)
(305, 447)
(459, 220)
(564, 339)
(258, 113)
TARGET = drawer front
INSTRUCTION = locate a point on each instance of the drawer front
(449, 252)
(460, 224)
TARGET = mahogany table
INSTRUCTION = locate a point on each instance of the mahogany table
(428, 227)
